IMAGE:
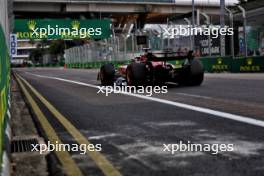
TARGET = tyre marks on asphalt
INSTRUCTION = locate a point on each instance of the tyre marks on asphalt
(143, 151)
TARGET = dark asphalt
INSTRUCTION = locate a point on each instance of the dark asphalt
(132, 131)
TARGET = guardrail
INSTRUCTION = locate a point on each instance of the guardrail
(4, 104)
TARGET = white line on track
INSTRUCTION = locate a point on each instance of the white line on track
(193, 95)
(239, 118)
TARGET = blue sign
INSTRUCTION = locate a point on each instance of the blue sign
(13, 44)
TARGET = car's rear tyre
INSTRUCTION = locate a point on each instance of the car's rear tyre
(161, 75)
(193, 74)
(136, 74)
(107, 74)
(196, 73)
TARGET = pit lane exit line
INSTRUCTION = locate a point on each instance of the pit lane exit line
(225, 115)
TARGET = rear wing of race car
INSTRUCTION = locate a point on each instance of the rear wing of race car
(170, 56)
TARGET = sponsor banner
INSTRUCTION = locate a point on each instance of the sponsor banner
(4, 86)
(202, 45)
(236, 65)
(250, 64)
(61, 29)
(217, 64)
(211, 64)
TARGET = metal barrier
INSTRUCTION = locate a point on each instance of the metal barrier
(211, 64)
(116, 48)
(112, 49)
(121, 49)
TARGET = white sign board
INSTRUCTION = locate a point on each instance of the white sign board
(13, 44)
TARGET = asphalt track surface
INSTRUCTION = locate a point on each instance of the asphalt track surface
(132, 130)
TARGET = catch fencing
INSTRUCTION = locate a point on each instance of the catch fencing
(116, 49)
(121, 49)
(96, 54)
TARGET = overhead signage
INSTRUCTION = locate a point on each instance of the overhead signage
(61, 29)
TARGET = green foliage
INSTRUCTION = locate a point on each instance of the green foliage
(57, 47)
(37, 54)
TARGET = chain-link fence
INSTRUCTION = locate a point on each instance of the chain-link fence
(117, 48)
(123, 47)
(106, 50)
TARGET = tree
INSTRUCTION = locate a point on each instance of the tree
(56, 49)
(36, 55)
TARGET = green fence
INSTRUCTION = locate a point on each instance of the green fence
(234, 65)
(4, 88)
(211, 64)
(96, 64)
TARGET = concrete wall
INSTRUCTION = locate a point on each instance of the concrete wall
(6, 17)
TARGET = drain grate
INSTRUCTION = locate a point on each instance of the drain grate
(23, 145)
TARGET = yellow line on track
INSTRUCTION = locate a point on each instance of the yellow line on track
(101, 161)
(68, 164)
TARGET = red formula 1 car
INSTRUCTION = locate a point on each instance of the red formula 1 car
(153, 69)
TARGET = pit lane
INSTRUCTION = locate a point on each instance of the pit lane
(132, 130)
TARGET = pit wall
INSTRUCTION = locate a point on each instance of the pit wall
(4, 106)
(211, 64)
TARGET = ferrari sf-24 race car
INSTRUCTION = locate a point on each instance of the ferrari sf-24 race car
(154, 69)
